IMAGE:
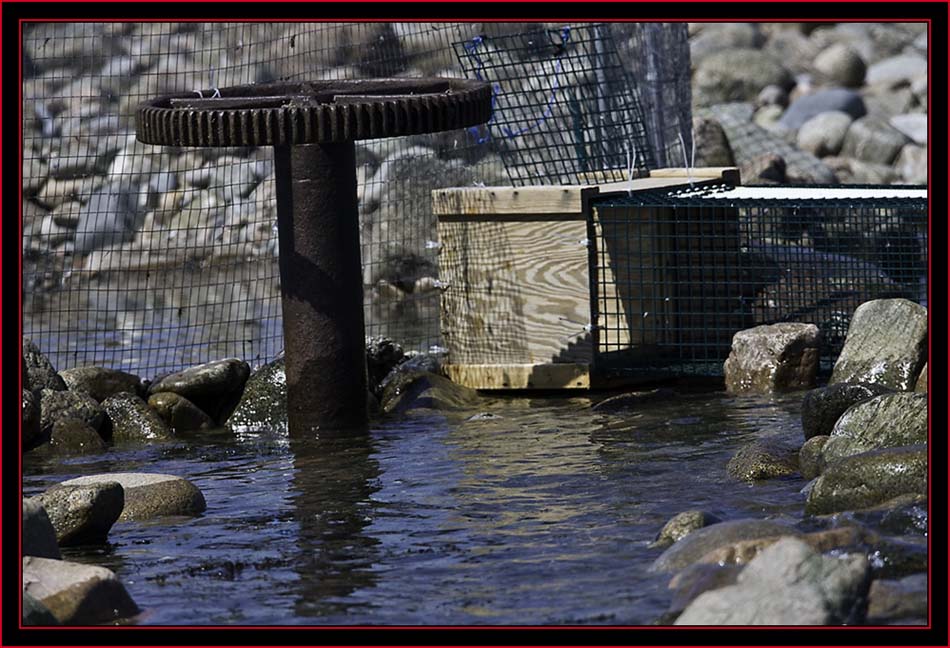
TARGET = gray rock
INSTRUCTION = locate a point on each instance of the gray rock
(697, 544)
(773, 358)
(896, 70)
(77, 594)
(911, 164)
(263, 404)
(424, 390)
(883, 422)
(179, 413)
(634, 400)
(72, 436)
(922, 382)
(59, 405)
(764, 459)
(763, 169)
(822, 101)
(719, 36)
(33, 432)
(681, 525)
(893, 600)
(873, 139)
(100, 383)
(40, 373)
(131, 419)
(150, 495)
(693, 581)
(36, 614)
(737, 74)
(772, 96)
(822, 407)
(810, 462)
(789, 583)
(39, 536)
(824, 134)
(215, 387)
(904, 515)
(851, 171)
(869, 478)
(886, 345)
(913, 125)
(83, 514)
(841, 65)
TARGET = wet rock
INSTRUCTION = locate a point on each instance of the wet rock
(904, 515)
(82, 514)
(40, 373)
(911, 163)
(60, 405)
(215, 387)
(700, 542)
(764, 459)
(789, 583)
(696, 579)
(896, 557)
(886, 344)
(737, 75)
(681, 525)
(101, 383)
(179, 413)
(868, 479)
(824, 134)
(744, 551)
(896, 70)
(895, 600)
(424, 390)
(77, 594)
(634, 400)
(822, 407)
(922, 382)
(841, 65)
(150, 495)
(883, 422)
(36, 614)
(33, 434)
(872, 139)
(773, 358)
(263, 404)
(822, 101)
(810, 461)
(72, 436)
(912, 125)
(382, 355)
(39, 536)
(131, 419)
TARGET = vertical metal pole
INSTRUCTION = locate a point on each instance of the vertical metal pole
(321, 285)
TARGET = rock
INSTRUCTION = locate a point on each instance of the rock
(767, 117)
(263, 404)
(744, 551)
(712, 147)
(763, 169)
(215, 387)
(36, 614)
(179, 413)
(697, 544)
(131, 419)
(72, 436)
(424, 390)
(841, 65)
(33, 432)
(771, 96)
(886, 344)
(822, 101)
(150, 495)
(682, 524)
(911, 163)
(39, 536)
(883, 422)
(59, 405)
(764, 459)
(810, 461)
(922, 382)
(773, 358)
(696, 579)
(101, 383)
(904, 515)
(789, 583)
(718, 36)
(737, 74)
(40, 373)
(851, 171)
(873, 139)
(824, 134)
(913, 125)
(867, 479)
(634, 400)
(77, 594)
(895, 600)
(82, 514)
(822, 407)
(382, 355)
(896, 70)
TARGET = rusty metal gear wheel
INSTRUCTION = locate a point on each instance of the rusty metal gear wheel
(278, 114)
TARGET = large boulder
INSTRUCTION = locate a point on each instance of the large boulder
(215, 387)
(700, 542)
(773, 358)
(263, 405)
(40, 373)
(789, 583)
(39, 536)
(883, 422)
(869, 478)
(150, 495)
(822, 407)
(682, 524)
(83, 514)
(886, 344)
(101, 383)
(77, 594)
(131, 419)
(738, 74)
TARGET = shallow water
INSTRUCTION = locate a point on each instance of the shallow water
(523, 512)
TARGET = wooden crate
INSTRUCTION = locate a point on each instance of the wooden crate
(518, 300)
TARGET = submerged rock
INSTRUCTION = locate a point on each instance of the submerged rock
(424, 390)
(215, 387)
(701, 541)
(822, 407)
(83, 514)
(883, 422)
(39, 536)
(150, 495)
(101, 383)
(131, 419)
(681, 525)
(633, 400)
(77, 594)
(764, 459)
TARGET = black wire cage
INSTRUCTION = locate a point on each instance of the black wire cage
(679, 272)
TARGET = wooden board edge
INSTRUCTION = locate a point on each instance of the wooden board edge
(477, 201)
(520, 376)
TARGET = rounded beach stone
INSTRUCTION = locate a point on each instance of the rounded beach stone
(764, 459)
(682, 524)
(738, 74)
(150, 495)
(72, 436)
(841, 65)
(77, 594)
(57, 405)
(701, 541)
(83, 514)
(822, 407)
(132, 419)
(101, 383)
(179, 413)
(883, 422)
(824, 134)
(215, 387)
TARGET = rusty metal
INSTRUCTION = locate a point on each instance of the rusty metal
(312, 127)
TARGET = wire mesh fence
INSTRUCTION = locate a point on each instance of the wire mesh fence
(680, 272)
(148, 259)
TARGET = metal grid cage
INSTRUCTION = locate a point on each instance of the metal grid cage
(678, 273)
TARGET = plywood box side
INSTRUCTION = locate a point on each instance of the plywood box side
(520, 376)
(511, 200)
